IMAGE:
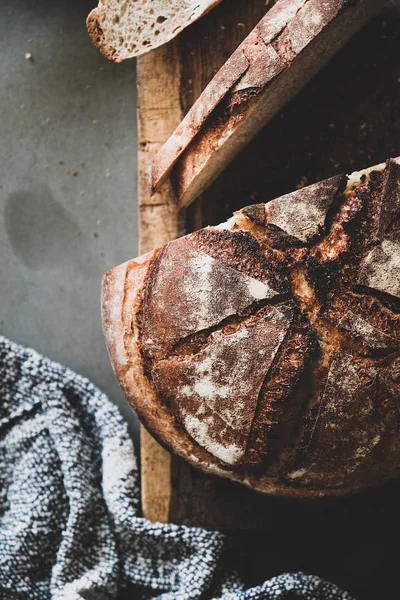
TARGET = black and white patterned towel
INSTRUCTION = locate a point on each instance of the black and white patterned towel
(69, 504)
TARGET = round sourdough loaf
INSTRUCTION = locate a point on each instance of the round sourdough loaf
(266, 349)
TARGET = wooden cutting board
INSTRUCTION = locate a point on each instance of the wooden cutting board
(347, 118)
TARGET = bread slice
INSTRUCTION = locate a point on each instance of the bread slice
(128, 28)
(289, 45)
(267, 349)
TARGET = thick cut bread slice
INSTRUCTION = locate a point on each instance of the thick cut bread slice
(294, 40)
(123, 29)
(267, 349)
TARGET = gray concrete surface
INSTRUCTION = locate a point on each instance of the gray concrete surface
(63, 225)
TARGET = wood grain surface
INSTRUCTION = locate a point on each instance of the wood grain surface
(346, 118)
(159, 112)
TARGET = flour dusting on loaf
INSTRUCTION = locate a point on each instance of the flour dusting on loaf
(206, 292)
(226, 377)
(381, 268)
(302, 214)
(369, 335)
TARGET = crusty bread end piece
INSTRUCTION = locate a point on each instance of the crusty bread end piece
(291, 43)
(128, 28)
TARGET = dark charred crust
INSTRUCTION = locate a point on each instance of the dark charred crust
(305, 425)
(322, 276)
(281, 397)
(390, 200)
(375, 176)
(97, 34)
(336, 203)
(280, 239)
(370, 196)
(386, 300)
(256, 213)
(356, 213)
(240, 250)
(382, 310)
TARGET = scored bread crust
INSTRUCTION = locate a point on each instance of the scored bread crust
(121, 299)
(287, 47)
(123, 30)
(126, 305)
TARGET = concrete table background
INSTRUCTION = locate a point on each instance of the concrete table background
(59, 231)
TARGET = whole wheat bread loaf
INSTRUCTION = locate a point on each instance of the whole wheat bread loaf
(291, 43)
(128, 28)
(266, 349)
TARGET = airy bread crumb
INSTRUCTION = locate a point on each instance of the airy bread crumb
(126, 29)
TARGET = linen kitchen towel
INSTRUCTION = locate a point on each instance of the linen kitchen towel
(70, 524)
